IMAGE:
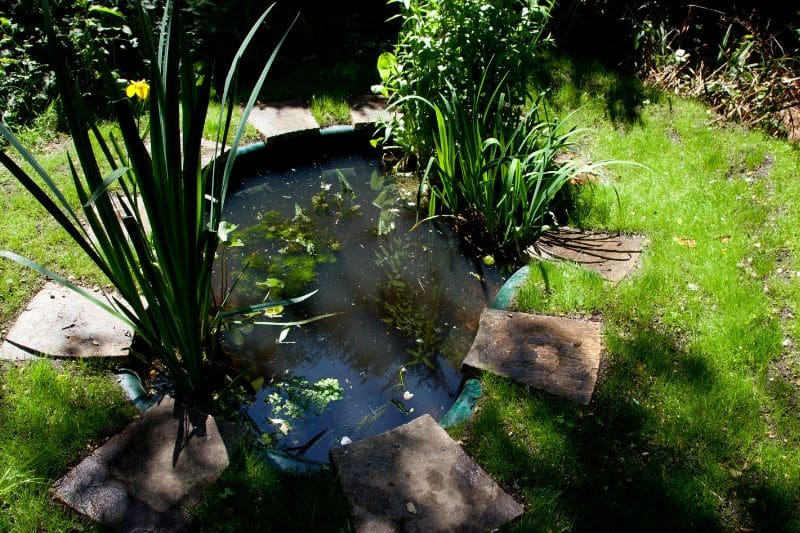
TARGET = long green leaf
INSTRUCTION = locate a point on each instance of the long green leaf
(266, 305)
(107, 182)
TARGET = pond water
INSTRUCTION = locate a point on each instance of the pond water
(404, 304)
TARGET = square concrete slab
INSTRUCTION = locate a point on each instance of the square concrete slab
(282, 119)
(415, 478)
(151, 475)
(61, 323)
(365, 111)
(558, 355)
(613, 256)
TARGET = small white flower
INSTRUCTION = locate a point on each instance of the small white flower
(407, 395)
(345, 441)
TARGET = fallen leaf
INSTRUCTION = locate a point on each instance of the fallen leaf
(691, 243)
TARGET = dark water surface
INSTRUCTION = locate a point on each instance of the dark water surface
(407, 304)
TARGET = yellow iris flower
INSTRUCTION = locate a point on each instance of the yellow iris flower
(140, 89)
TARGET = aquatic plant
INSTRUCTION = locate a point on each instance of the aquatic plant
(294, 398)
(386, 201)
(163, 275)
(499, 172)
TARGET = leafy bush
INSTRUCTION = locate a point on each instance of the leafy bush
(164, 275)
(751, 79)
(741, 58)
(95, 37)
(459, 42)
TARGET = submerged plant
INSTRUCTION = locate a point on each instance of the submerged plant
(293, 398)
(163, 276)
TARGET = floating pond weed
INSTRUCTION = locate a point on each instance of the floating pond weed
(293, 398)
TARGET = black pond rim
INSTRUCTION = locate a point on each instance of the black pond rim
(282, 152)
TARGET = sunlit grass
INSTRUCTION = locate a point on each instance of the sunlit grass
(211, 125)
(328, 110)
(28, 230)
(47, 418)
(693, 425)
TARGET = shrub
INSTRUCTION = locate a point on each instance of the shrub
(94, 36)
(460, 42)
(750, 79)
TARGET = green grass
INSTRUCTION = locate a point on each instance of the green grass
(211, 125)
(561, 288)
(252, 496)
(28, 230)
(694, 424)
(47, 418)
(328, 110)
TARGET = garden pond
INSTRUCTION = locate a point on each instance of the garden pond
(400, 303)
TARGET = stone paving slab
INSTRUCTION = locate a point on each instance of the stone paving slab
(282, 118)
(151, 475)
(365, 111)
(415, 478)
(613, 256)
(558, 355)
(207, 151)
(59, 322)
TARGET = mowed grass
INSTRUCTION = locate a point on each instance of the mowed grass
(695, 424)
(252, 496)
(48, 416)
(28, 230)
(329, 110)
(212, 125)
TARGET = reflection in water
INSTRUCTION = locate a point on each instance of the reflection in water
(407, 304)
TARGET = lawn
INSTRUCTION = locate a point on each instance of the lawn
(694, 423)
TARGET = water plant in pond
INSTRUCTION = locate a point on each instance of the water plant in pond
(387, 201)
(289, 249)
(407, 305)
(293, 398)
(163, 276)
(498, 176)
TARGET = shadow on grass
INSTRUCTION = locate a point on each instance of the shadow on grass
(568, 80)
(252, 496)
(623, 463)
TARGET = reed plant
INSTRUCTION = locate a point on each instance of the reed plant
(163, 276)
(488, 163)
